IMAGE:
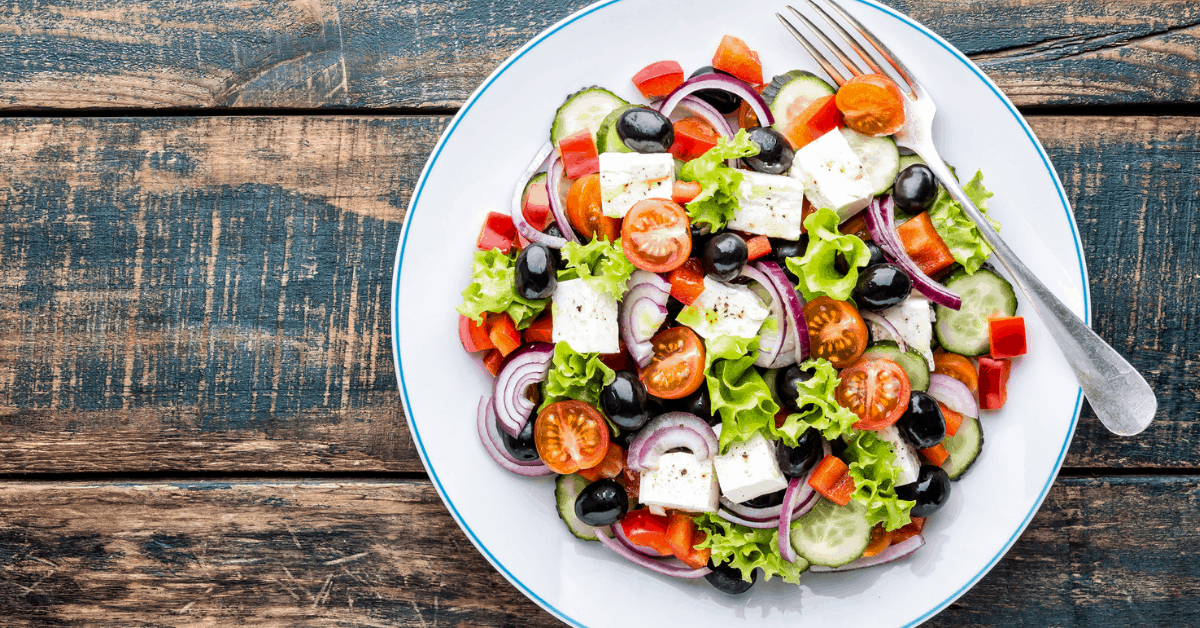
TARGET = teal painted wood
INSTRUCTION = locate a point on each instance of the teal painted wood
(425, 53)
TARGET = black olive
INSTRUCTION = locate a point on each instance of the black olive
(796, 462)
(721, 100)
(728, 579)
(674, 307)
(774, 153)
(930, 491)
(699, 404)
(782, 249)
(624, 401)
(881, 286)
(837, 447)
(535, 276)
(522, 447)
(765, 501)
(701, 234)
(922, 423)
(915, 189)
(725, 255)
(623, 439)
(876, 253)
(785, 385)
(602, 503)
(645, 130)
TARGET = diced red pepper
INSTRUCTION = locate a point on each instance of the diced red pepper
(610, 466)
(758, 246)
(693, 137)
(541, 329)
(924, 245)
(685, 191)
(735, 57)
(646, 529)
(1007, 336)
(497, 232)
(492, 361)
(682, 538)
(936, 455)
(503, 333)
(687, 281)
(473, 335)
(659, 79)
(781, 418)
(536, 205)
(832, 480)
(953, 419)
(823, 116)
(881, 538)
(579, 154)
(909, 530)
(993, 382)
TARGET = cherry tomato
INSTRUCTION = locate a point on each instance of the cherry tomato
(876, 391)
(569, 436)
(872, 104)
(958, 367)
(585, 213)
(611, 466)
(677, 368)
(836, 331)
(655, 235)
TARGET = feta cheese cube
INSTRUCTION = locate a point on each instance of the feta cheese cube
(585, 318)
(833, 175)
(626, 178)
(725, 310)
(748, 470)
(906, 456)
(680, 482)
(913, 319)
(770, 205)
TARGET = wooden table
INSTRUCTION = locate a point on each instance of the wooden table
(199, 204)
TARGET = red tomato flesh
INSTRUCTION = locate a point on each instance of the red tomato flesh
(659, 79)
(735, 57)
(823, 116)
(569, 436)
(656, 236)
(536, 206)
(677, 368)
(503, 333)
(646, 529)
(474, 336)
(541, 329)
(610, 467)
(497, 232)
(693, 137)
(687, 281)
(877, 391)
(579, 154)
(685, 192)
(993, 382)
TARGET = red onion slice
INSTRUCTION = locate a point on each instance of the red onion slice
(516, 210)
(791, 499)
(671, 431)
(787, 354)
(554, 188)
(896, 552)
(483, 418)
(619, 534)
(792, 302)
(892, 332)
(643, 310)
(749, 523)
(881, 224)
(725, 83)
(954, 394)
(768, 354)
(653, 564)
(806, 505)
(526, 367)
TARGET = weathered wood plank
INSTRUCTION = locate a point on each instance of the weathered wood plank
(389, 554)
(373, 53)
(210, 294)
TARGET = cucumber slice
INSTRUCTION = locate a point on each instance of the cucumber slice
(566, 489)
(908, 160)
(585, 109)
(832, 535)
(911, 361)
(607, 139)
(788, 94)
(964, 447)
(984, 294)
(880, 157)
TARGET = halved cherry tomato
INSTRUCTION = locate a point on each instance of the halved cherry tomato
(952, 418)
(541, 329)
(492, 361)
(757, 246)
(836, 331)
(497, 232)
(579, 154)
(693, 137)
(881, 538)
(659, 79)
(610, 467)
(656, 236)
(474, 336)
(872, 104)
(876, 391)
(569, 436)
(936, 455)
(646, 529)
(687, 281)
(735, 57)
(685, 192)
(958, 367)
(585, 212)
(923, 244)
(1006, 336)
(911, 529)
(503, 333)
(536, 205)
(677, 368)
(682, 537)
(831, 478)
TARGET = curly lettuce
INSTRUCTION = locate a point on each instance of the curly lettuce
(816, 268)
(959, 232)
(718, 199)
(736, 391)
(493, 289)
(600, 263)
(575, 376)
(819, 404)
(874, 471)
(747, 549)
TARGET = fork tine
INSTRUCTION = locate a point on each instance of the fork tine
(846, 36)
(812, 50)
(837, 51)
(883, 50)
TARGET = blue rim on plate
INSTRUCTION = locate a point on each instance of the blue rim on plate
(513, 59)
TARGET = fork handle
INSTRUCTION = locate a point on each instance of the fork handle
(1119, 394)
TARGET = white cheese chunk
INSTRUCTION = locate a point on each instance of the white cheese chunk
(770, 205)
(626, 178)
(906, 456)
(748, 470)
(585, 318)
(680, 482)
(725, 310)
(913, 319)
(833, 175)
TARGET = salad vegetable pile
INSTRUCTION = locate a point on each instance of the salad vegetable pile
(747, 334)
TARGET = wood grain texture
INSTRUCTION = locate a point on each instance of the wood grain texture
(210, 294)
(426, 53)
(388, 554)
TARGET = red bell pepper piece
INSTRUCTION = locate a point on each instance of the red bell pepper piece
(503, 333)
(682, 538)
(993, 382)
(832, 480)
(659, 79)
(824, 116)
(536, 205)
(936, 455)
(497, 232)
(473, 335)
(1007, 336)
(924, 245)
(646, 529)
(953, 419)
(541, 329)
(693, 137)
(758, 246)
(579, 154)
(492, 360)
(911, 529)
(735, 57)
(687, 281)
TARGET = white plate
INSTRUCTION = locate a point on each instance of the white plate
(512, 520)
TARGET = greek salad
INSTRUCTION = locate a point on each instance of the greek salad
(748, 335)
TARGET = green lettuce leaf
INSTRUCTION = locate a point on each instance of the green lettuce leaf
(816, 269)
(822, 410)
(575, 376)
(493, 289)
(600, 263)
(747, 549)
(874, 470)
(959, 232)
(735, 389)
(718, 199)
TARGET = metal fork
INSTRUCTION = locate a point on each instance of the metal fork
(1117, 392)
